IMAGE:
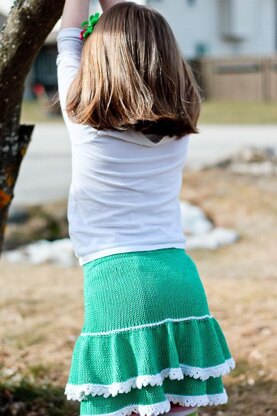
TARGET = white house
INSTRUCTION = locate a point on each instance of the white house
(213, 27)
(222, 27)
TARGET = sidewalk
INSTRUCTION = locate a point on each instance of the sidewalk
(45, 172)
(215, 142)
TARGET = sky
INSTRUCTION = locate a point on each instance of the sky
(5, 6)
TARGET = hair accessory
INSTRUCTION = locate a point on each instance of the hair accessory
(89, 25)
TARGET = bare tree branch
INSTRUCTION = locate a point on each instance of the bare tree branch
(21, 38)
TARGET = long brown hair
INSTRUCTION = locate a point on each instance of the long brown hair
(132, 74)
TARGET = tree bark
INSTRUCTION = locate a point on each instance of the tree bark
(21, 38)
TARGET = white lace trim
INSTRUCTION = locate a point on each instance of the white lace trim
(164, 407)
(204, 400)
(78, 392)
(189, 318)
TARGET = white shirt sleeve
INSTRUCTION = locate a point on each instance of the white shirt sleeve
(68, 63)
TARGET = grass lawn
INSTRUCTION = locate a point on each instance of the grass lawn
(238, 113)
(212, 113)
(41, 306)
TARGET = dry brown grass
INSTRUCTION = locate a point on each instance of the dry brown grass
(42, 311)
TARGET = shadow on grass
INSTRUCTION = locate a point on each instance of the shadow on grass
(248, 391)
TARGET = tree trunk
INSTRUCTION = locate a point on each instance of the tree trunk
(21, 38)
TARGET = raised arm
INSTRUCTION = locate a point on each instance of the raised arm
(70, 45)
(74, 13)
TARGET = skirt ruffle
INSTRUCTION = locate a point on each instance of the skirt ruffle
(155, 400)
(146, 356)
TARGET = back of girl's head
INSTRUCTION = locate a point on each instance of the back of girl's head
(132, 74)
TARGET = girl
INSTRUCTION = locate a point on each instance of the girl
(130, 101)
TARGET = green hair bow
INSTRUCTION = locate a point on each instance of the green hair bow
(89, 25)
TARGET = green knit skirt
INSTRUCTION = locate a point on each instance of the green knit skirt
(148, 338)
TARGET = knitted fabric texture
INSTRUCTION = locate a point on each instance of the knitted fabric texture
(148, 337)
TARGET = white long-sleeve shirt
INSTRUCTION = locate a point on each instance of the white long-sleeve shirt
(124, 193)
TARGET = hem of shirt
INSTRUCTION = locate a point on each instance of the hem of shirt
(117, 250)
